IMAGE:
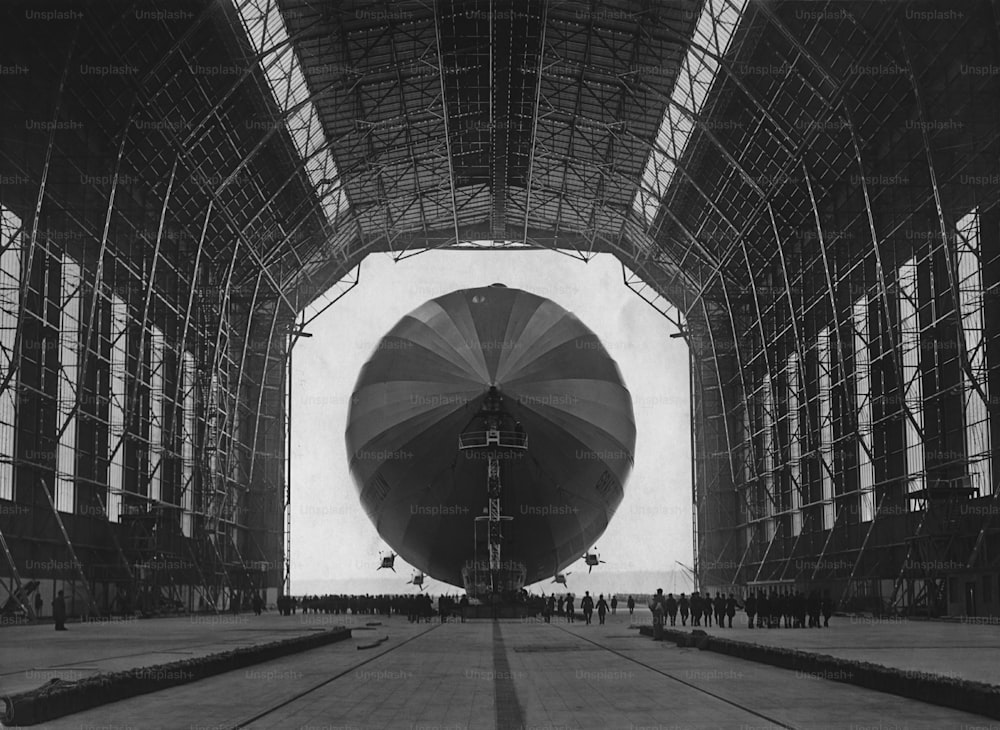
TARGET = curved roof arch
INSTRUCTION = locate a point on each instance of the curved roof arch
(531, 124)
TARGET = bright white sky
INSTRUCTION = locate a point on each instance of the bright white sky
(332, 537)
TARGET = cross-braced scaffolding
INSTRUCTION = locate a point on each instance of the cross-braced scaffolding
(808, 193)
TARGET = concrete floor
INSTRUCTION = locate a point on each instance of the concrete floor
(30, 656)
(964, 651)
(517, 674)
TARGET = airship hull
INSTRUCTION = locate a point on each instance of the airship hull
(427, 384)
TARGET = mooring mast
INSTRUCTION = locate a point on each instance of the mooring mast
(491, 440)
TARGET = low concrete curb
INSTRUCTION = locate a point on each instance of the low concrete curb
(959, 694)
(57, 698)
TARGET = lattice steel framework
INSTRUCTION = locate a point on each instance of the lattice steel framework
(807, 191)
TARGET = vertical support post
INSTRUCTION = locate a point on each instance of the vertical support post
(288, 469)
(444, 117)
(493, 493)
(695, 557)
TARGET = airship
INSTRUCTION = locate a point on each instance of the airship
(490, 437)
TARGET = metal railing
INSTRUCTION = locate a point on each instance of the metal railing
(482, 439)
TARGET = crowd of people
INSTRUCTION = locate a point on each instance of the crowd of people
(414, 606)
(421, 606)
(794, 607)
(565, 605)
(764, 609)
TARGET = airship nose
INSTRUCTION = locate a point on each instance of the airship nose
(404, 434)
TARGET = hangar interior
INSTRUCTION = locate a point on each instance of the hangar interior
(807, 191)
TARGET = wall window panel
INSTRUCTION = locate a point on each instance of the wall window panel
(974, 384)
(863, 402)
(825, 378)
(10, 305)
(188, 435)
(913, 397)
(156, 404)
(70, 297)
(767, 443)
(116, 407)
(794, 442)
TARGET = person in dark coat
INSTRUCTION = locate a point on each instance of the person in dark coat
(631, 605)
(731, 608)
(551, 607)
(763, 610)
(696, 608)
(671, 604)
(658, 607)
(463, 604)
(559, 606)
(602, 608)
(827, 607)
(720, 610)
(59, 611)
(587, 606)
(614, 605)
(684, 606)
(751, 608)
(569, 609)
(38, 605)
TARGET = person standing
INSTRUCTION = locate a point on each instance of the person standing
(463, 605)
(684, 606)
(720, 610)
(657, 606)
(38, 605)
(731, 608)
(59, 611)
(696, 607)
(614, 605)
(559, 606)
(763, 610)
(631, 605)
(569, 609)
(551, 606)
(671, 605)
(587, 605)
(602, 608)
